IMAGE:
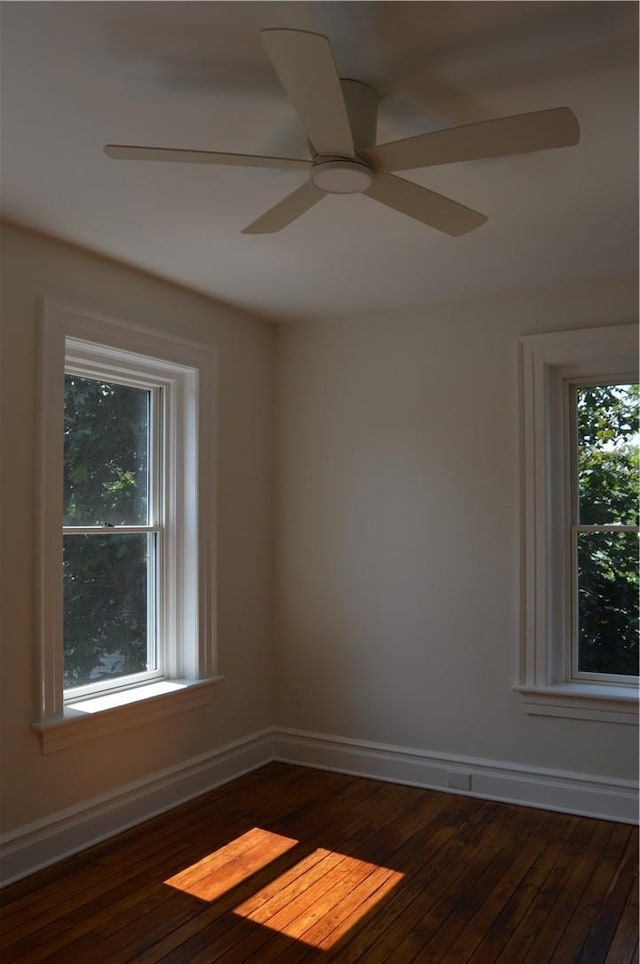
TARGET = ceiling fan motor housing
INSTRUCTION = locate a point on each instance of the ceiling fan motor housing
(341, 175)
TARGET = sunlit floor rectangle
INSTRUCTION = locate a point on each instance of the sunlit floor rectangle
(320, 898)
(232, 864)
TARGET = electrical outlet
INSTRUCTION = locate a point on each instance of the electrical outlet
(459, 780)
(295, 693)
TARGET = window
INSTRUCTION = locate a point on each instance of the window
(579, 447)
(127, 495)
(604, 532)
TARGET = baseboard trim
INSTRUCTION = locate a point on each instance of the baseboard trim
(47, 841)
(561, 790)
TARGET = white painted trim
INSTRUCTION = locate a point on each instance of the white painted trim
(101, 716)
(187, 370)
(53, 838)
(547, 789)
(585, 701)
(49, 840)
(547, 362)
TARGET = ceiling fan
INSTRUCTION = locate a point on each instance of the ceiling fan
(340, 117)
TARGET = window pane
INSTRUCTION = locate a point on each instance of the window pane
(106, 580)
(608, 603)
(608, 480)
(106, 453)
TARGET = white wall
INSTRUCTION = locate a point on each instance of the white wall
(397, 523)
(394, 537)
(33, 785)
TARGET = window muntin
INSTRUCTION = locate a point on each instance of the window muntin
(112, 533)
(604, 532)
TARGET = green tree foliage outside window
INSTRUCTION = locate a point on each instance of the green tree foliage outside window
(105, 573)
(608, 493)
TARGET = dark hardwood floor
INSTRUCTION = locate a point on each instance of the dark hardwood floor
(292, 864)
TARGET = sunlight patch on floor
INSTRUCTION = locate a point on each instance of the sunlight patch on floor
(229, 866)
(320, 898)
(316, 901)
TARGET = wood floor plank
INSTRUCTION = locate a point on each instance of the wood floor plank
(427, 875)
(292, 864)
(624, 945)
(327, 928)
(81, 880)
(53, 922)
(466, 932)
(571, 901)
(326, 812)
(533, 922)
(430, 917)
(227, 933)
(596, 917)
(228, 866)
(501, 930)
(130, 941)
(19, 896)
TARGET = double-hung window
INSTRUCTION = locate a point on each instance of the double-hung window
(126, 532)
(605, 487)
(579, 474)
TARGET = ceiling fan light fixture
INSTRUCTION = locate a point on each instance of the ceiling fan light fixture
(339, 117)
(341, 176)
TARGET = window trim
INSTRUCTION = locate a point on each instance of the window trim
(547, 363)
(190, 368)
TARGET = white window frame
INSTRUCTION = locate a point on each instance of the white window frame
(186, 372)
(549, 364)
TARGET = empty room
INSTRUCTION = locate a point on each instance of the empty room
(319, 482)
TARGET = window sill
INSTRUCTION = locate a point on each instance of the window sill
(90, 719)
(582, 701)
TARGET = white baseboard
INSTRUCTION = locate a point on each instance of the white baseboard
(64, 833)
(46, 841)
(561, 790)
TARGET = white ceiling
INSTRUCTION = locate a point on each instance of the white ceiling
(195, 75)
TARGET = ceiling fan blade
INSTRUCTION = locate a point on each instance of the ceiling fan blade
(304, 63)
(287, 210)
(538, 131)
(127, 152)
(418, 202)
